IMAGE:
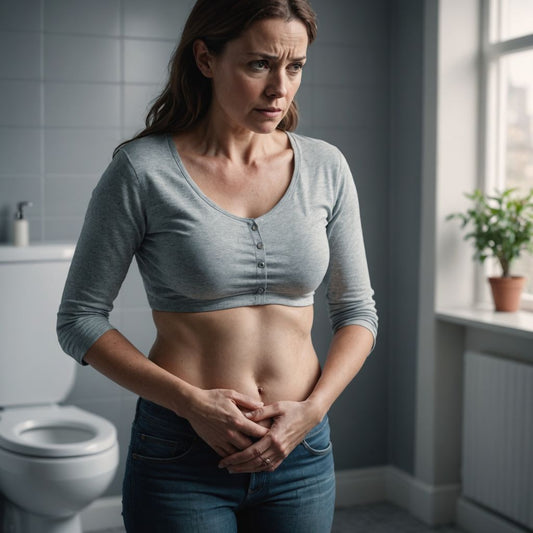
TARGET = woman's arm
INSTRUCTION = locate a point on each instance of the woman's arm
(293, 420)
(349, 349)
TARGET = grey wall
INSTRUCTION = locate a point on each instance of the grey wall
(75, 79)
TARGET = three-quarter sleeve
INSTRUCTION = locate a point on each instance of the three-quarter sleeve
(113, 229)
(349, 292)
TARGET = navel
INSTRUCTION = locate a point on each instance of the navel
(260, 389)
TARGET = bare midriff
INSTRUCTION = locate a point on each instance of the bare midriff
(265, 352)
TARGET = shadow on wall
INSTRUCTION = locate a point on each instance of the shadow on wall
(6, 220)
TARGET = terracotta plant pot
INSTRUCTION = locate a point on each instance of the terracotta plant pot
(506, 292)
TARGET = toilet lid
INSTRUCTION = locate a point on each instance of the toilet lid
(54, 431)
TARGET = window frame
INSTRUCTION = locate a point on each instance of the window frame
(492, 92)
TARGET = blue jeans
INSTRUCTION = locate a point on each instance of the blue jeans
(172, 483)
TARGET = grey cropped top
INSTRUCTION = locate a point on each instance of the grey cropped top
(195, 256)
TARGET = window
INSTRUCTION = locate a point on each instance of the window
(508, 73)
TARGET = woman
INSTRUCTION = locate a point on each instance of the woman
(234, 222)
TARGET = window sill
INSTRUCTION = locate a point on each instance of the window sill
(519, 323)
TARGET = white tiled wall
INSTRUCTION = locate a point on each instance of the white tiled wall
(76, 78)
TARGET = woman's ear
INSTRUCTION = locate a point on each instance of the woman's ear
(203, 58)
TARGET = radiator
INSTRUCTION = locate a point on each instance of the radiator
(497, 468)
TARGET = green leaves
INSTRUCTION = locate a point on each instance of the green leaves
(501, 225)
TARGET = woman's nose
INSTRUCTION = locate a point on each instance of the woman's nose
(277, 85)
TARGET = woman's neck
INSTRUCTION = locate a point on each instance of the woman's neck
(211, 138)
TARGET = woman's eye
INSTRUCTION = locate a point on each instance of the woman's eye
(296, 67)
(260, 64)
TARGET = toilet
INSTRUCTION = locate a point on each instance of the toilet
(55, 459)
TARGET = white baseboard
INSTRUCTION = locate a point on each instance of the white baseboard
(432, 505)
(360, 486)
(475, 519)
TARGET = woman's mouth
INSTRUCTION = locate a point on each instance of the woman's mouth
(271, 112)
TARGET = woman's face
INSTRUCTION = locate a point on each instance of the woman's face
(256, 76)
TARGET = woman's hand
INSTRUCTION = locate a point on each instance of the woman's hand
(291, 421)
(219, 417)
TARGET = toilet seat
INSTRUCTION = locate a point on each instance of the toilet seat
(54, 431)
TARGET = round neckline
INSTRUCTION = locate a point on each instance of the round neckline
(214, 205)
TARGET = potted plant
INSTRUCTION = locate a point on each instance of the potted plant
(502, 227)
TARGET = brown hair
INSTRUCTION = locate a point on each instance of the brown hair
(187, 94)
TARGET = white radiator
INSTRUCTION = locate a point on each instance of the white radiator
(498, 436)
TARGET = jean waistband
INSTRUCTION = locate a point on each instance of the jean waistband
(153, 410)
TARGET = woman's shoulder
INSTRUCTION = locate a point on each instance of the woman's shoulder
(145, 151)
(313, 148)
(322, 165)
(317, 154)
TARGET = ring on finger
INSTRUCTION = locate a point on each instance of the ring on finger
(266, 461)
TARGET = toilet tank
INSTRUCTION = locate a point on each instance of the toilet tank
(33, 368)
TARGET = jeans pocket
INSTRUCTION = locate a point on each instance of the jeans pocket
(146, 447)
(317, 451)
(317, 442)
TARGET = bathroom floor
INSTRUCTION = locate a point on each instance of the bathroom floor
(374, 518)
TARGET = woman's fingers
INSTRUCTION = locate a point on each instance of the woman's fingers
(264, 412)
(221, 423)
(291, 422)
(265, 454)
(252, 428)
(256, 458)
(245, 402)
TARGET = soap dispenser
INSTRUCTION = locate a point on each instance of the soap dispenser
(21, 227)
